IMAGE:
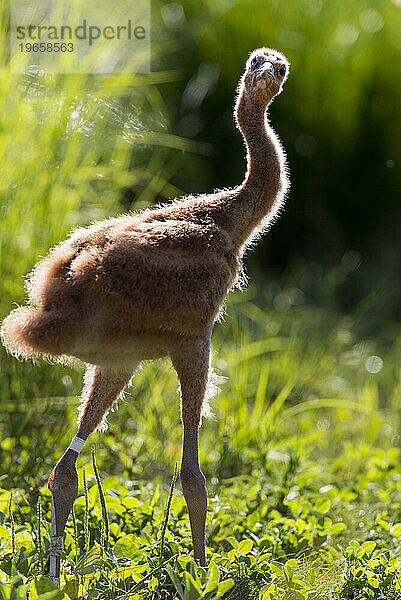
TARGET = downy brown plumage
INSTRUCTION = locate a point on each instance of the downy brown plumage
(151, 284)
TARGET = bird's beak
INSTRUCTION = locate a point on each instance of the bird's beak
(265, 71)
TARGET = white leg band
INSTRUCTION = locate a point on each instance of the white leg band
(76, 444)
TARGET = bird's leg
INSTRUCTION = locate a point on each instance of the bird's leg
(101, 389)
(63, 483)
(192, 362)
(194, 487)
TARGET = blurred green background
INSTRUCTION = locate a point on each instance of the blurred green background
(321, 318)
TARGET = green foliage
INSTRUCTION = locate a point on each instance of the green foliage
(194, 582)
(370, 573)
(132, 564)
(273, 555)
(300, 461)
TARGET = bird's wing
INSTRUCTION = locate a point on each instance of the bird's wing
(172, 234)
(171, 271)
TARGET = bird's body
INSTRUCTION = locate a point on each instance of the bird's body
(125, 289)
(151, 284)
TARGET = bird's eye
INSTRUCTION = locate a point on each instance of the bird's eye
(282, 71)
(255, 61)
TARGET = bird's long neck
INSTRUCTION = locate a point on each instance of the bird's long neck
(259, 194)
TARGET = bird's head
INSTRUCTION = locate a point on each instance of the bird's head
(265, 73)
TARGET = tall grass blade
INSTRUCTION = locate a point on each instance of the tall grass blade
(13, 548)
(277, 404)
(260, 398)
(86, 515)
(104, 539)
(167, 511)
(74, 524)
(319, 403)
(39, 546)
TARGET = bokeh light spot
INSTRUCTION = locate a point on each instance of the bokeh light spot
(346, 34)
(311, 7)
(305, 144)
(373, 364)
(351, 260)
(173, 15)
(371, 20)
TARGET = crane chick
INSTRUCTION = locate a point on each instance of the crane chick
(151, 284)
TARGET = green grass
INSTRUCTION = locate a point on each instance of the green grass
(302, 458)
